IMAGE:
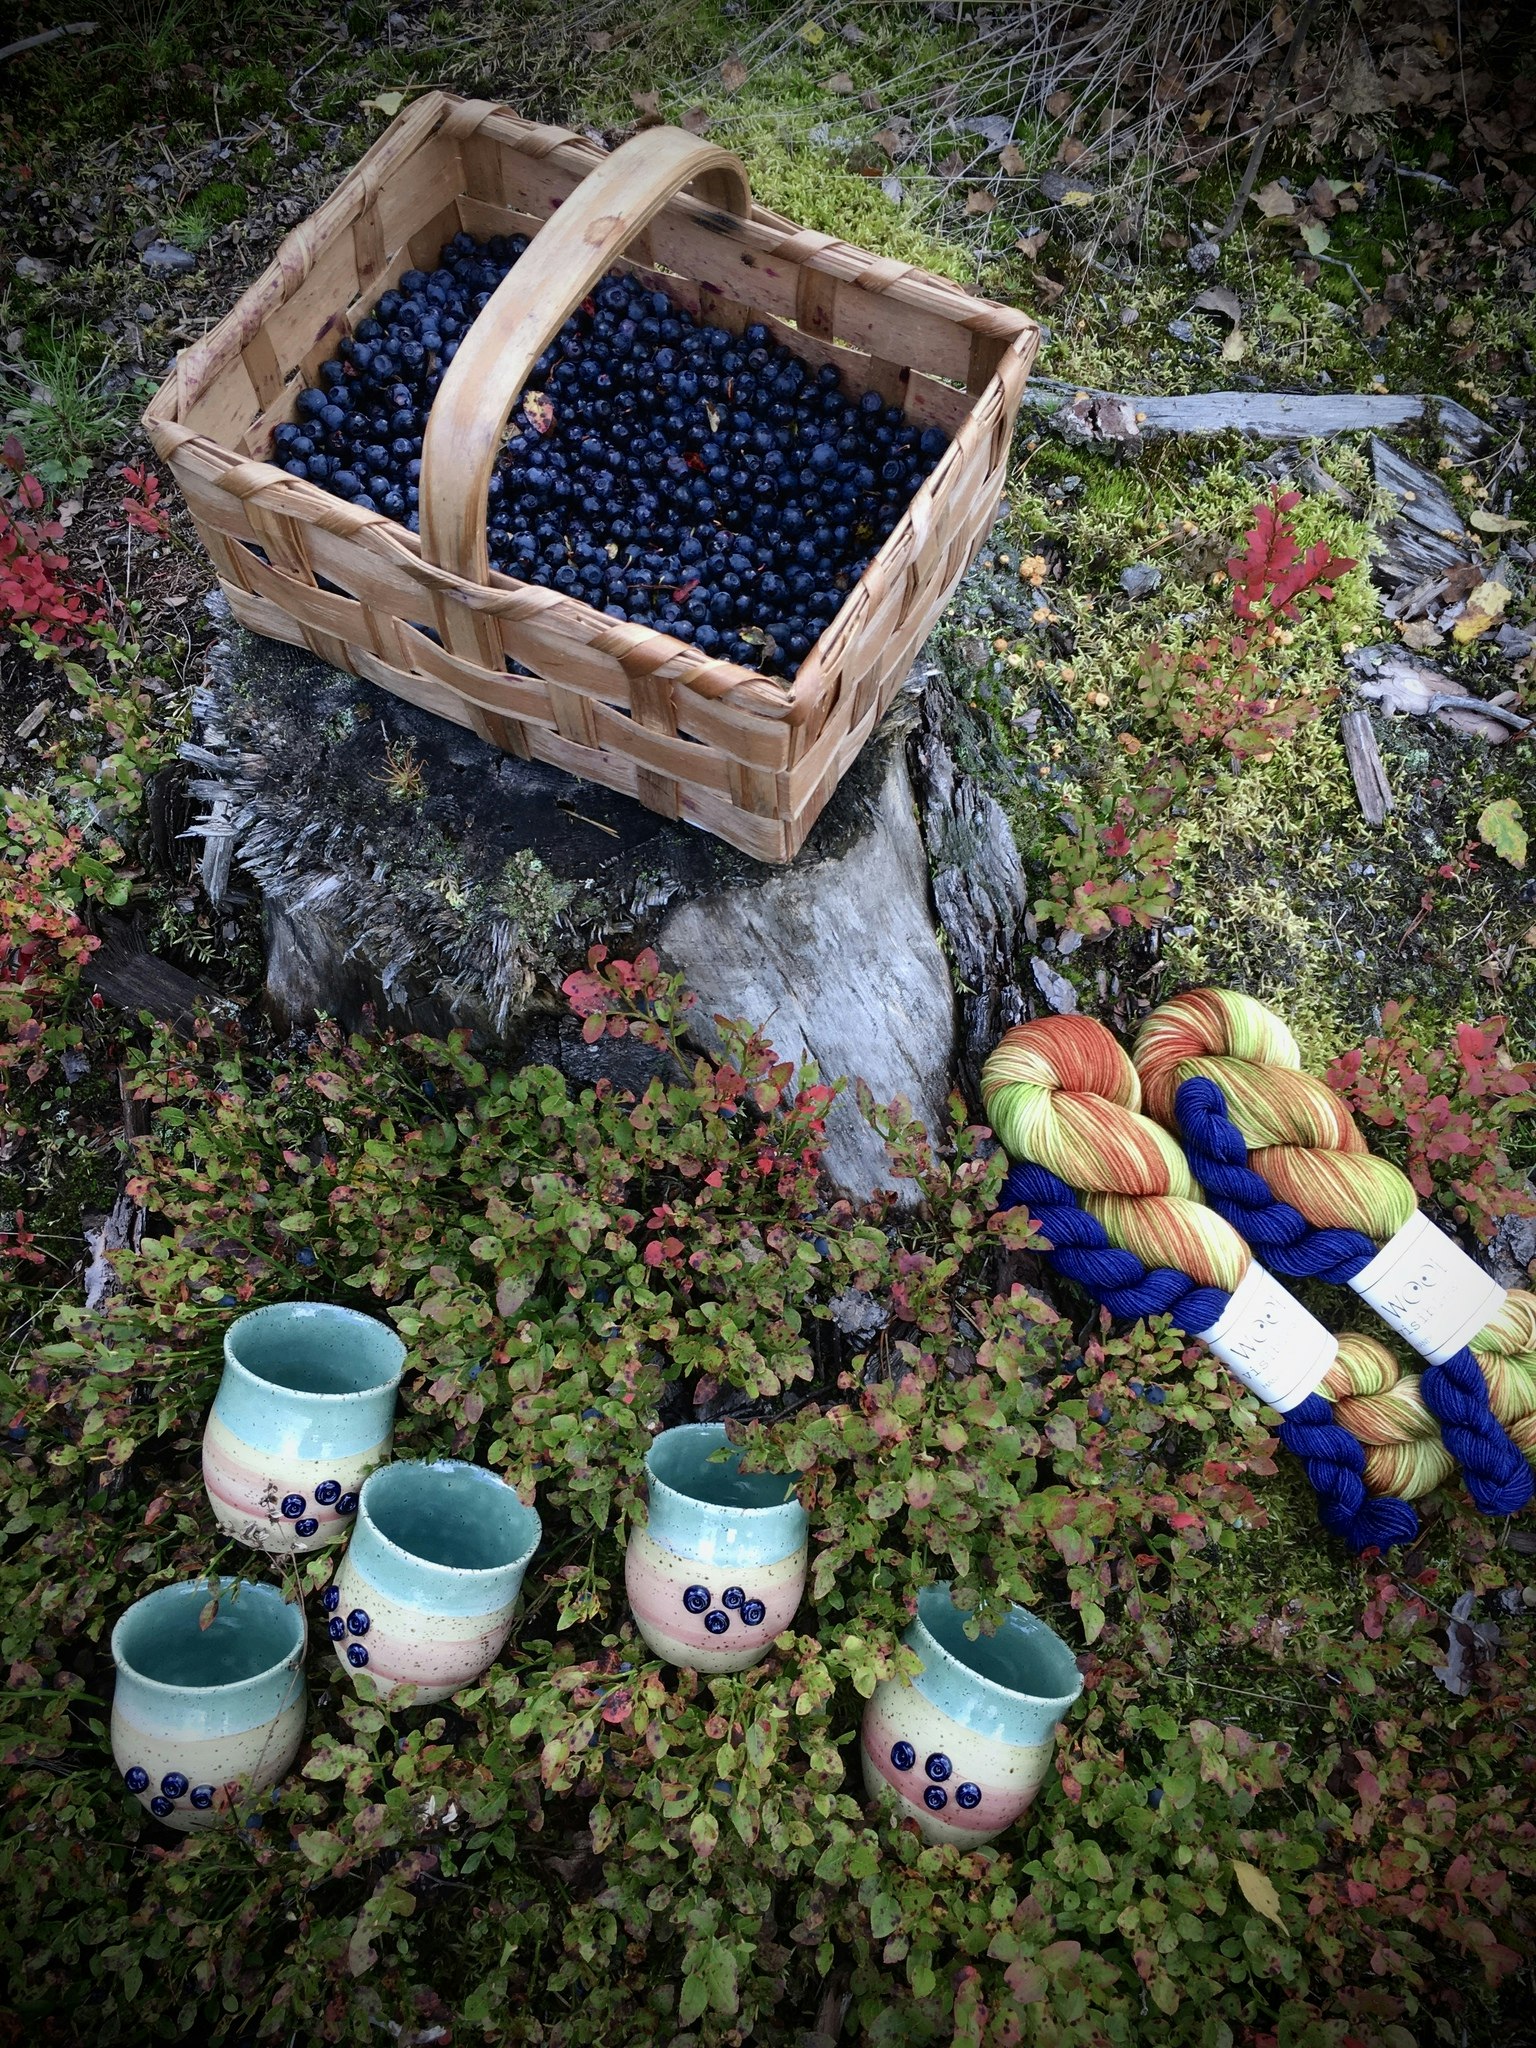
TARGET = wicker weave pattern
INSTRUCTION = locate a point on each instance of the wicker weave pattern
(748, 758)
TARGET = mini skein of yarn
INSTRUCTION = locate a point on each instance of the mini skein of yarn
(1122, 1214)
(1280, 1156)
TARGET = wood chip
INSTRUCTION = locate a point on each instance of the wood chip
(34, 719)
(1365, 765)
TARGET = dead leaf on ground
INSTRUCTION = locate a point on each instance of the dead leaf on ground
(1321, 193)
(980, 201)
(1219, 299)
(1273, 201)
(1235, 347)
(1258, 1891)
(951, 166)
(1031, 245)
(696, 120)
(598, 41)
(1494, 522)
(733, 74)
(648, 103)
(1071, 150)
(1375, 317)
(1421, 636)
(840, 82)
(1011, 161)
(1059, 103)
(888, 139)
(1484, 609)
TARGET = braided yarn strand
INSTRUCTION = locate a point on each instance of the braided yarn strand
(1281, 1158)
(1116, 1202)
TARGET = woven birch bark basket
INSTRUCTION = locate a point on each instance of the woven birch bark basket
(740, 754)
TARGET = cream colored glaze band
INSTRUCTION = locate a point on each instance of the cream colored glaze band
(1276, 1348)
(1422, 1284)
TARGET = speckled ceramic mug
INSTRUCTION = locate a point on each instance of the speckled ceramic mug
(962, 1750)
(425, 1593)
(204, 1717)
(718, 1568)
(305, 1410)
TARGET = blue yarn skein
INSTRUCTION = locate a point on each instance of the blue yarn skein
(1332, 1458)
(1498, 1477)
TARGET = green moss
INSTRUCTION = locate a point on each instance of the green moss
(532, 898)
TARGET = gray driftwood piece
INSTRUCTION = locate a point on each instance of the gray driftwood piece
(1428, 535)
(413, 874)
(1085, 415)
(1365, 765)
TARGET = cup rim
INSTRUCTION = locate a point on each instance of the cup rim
(265, 1589)
(484, 1476)
(234, 1363)
(692, 1500)
(974, 1677)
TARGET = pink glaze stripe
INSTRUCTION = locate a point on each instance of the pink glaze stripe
(999, 1805)
(253, 1493)
(429, 1664)
(671, 1618)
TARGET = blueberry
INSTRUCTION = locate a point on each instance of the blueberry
(136, 1778)
(968, 1795)
(938, 1766)
(717, 1621)
(903, 1755)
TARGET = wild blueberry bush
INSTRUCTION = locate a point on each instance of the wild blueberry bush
(1269, 1820)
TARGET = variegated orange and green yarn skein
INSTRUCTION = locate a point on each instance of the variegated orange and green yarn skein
(1279, 1155)
(1124, 1217)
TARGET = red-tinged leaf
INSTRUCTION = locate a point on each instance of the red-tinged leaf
(156, 1509)
(539, 411)
(685, 590)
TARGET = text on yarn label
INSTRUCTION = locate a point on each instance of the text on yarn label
(1424, 1286)
(1270, 1342)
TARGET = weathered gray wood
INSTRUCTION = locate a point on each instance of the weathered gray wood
(137, 980)
(1365, 765)
(1087, 415)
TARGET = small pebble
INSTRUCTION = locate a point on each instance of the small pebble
(1181, 330)
(166, 260)
(1140, 580)
(1202, 257)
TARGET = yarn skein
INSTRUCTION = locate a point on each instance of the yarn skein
(1116, 1202)
(1280, 1156)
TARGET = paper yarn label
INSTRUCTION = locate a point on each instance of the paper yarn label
(1422, 1284)
(1276, 1348)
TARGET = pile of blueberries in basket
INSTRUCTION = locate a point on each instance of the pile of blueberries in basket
(709, 484)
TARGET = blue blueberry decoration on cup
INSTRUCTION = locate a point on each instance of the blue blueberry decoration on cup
(753, 1613)
(328, 1492)
(733, 1596)
(202, 1797)
(961, 1750)
(294, 1505)
(358, 1623)
(336, 1629)
(160, 1807)
(696, 1599)
(357, 1656)
(306, 1525)
(347, 1505)
(136, 1778)
(330, 1599)
(174, 1785)
(717, 1621)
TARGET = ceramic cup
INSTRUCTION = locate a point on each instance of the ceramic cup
(718, 1569)
(425, 1593)
(962, 1749)
(304, 1411)
(203, 1717)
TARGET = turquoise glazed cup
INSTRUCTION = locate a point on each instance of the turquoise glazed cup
(426, 1590)
(717, 1570)
(962, 1749)
(205, 1717)
(305, 1410)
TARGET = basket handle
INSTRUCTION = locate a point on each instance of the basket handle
(529, 307)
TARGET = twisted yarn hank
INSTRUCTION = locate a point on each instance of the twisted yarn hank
(1280, 1156)
(1064, 1100)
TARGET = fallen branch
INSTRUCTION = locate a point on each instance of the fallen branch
(1365, 765)
(47, 35)
(1085, 415)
